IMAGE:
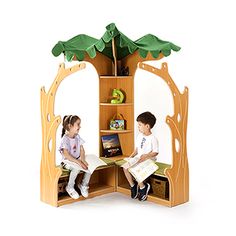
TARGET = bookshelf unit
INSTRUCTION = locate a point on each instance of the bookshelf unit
(108, 110)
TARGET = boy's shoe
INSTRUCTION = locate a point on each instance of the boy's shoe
(143, 193)
(134, 191)
(72, 192)
(84, 190)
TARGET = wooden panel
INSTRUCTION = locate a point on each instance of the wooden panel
(94, 191)
(128, 114)
(122, 181)
(106, 114)
(49, 172)
(107, 85)
(102, 64)
(126, 85)
(116, 105)
(127, 143)
(107, 176)
(178, 174)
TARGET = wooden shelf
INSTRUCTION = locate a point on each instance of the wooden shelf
(116, 131)
(107, 110)
(94, 190)
(121, 104)
(155, 199)
(115, 77)
(116, 158)
(151, 197)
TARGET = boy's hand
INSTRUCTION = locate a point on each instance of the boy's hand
(142, 158)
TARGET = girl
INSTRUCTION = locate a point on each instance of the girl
(73, 155)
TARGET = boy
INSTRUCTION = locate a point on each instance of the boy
(147, 147)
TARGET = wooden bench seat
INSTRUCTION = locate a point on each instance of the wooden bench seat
(160, 171)
(109, 162)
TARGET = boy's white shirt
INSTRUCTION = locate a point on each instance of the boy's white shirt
(150, 144)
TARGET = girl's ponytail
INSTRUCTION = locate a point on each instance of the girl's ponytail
(64, 124)
(63, 132)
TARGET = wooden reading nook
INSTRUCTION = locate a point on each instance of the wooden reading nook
(110, 55)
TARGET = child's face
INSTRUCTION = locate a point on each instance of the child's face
(143, 128)
(74, 129)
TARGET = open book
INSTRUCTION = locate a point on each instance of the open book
(92, 160)
(140, 171)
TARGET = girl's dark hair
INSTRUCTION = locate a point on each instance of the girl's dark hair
(147, 118)
(66, 121)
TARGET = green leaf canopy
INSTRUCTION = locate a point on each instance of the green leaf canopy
(81, 44)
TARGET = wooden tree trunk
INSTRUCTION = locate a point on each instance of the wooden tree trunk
(49, 173)
(178, 174)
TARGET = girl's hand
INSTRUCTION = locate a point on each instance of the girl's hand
(85, 167)
(85, 162)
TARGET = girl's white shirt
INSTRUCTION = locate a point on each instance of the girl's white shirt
(72, 145)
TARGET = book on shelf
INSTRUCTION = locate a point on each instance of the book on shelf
(140, 171)
(111, 145)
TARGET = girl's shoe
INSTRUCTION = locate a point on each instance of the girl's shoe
(83, 190)
(72, 192)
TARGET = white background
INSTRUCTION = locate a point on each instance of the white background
(206, 64)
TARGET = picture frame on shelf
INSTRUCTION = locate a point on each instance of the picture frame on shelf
(111, 145)
(117, 122)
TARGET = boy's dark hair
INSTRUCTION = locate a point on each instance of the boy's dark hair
(147, 118)
(66, 121)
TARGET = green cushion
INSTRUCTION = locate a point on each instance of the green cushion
(107, 160)
(160, 171)
(66, 172)
(120, 162)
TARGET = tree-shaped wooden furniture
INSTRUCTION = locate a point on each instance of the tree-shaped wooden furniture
(108, 55)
